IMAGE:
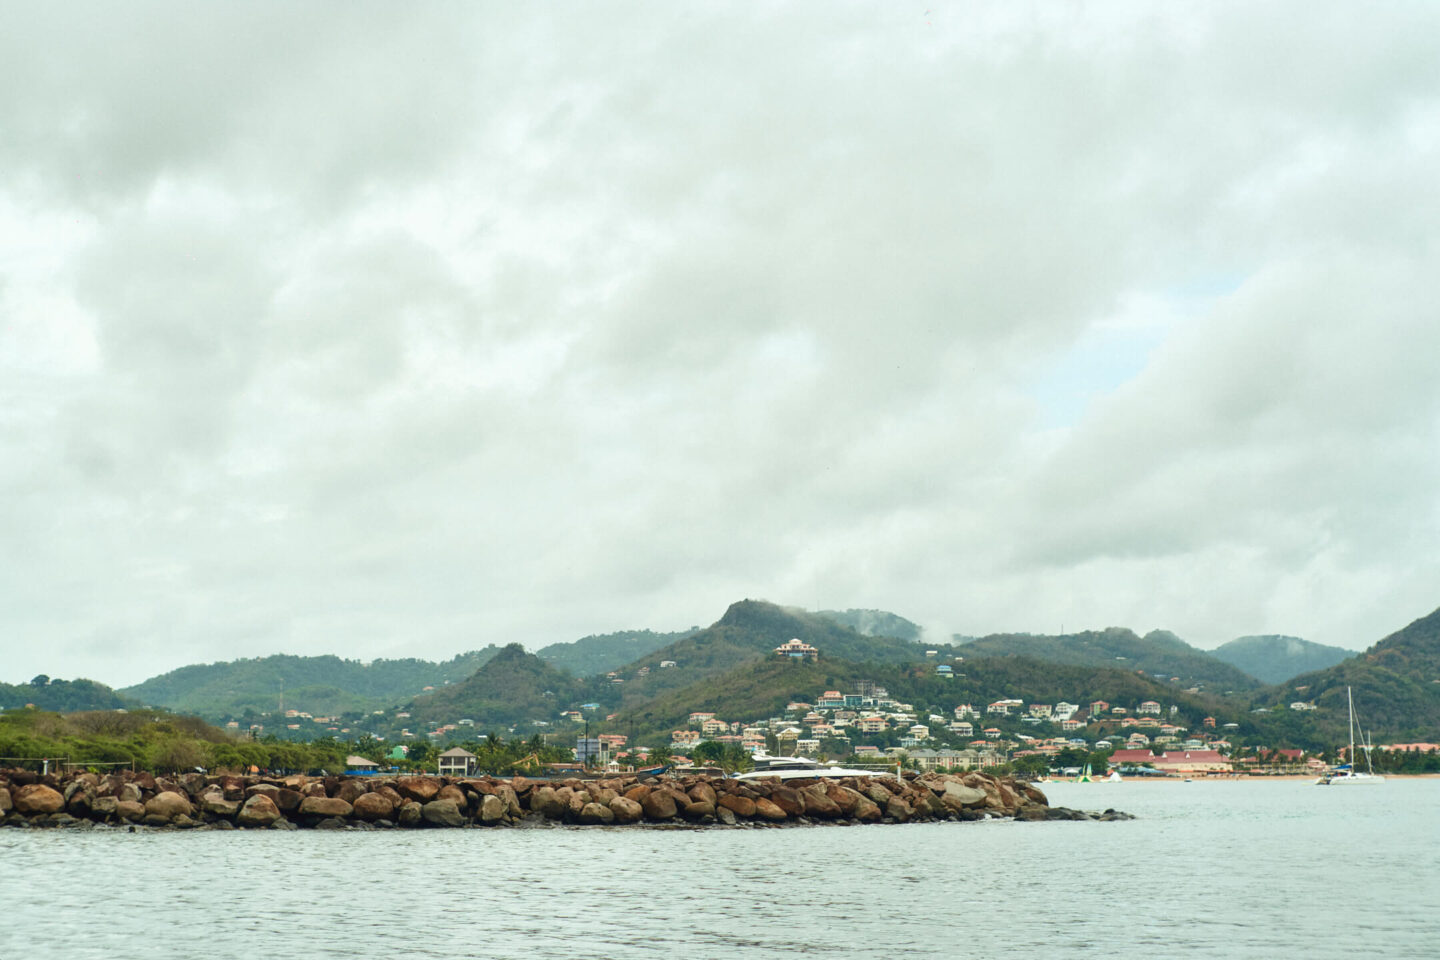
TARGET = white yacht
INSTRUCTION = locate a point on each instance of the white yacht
(1346, 772)
(800, 768)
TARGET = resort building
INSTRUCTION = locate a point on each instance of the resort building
(457, 762)
(796, 649)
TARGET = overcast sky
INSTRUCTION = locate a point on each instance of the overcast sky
(395, 330)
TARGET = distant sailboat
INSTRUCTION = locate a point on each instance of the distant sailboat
(1346, 772)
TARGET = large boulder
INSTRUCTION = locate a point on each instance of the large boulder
(545, 800)
(217, 805)
(769, 810)
(638, 793)
(454, 794)
(702, 793)
(6, 805)
(698, 810)
(351, 790)
(866, 810)
(596, 812)
(658, 805)
(443, 813)
(419, 789)
(411, 814)
(957, 796)
(257, 811)
(373, 806)
(168, 804)
(897, 809)
(288, 800)
(37, 798)
(626, 810)
(740, 806)
(788, 800)
(492, 809)
(131, 810)
(264, 789)
(324, 807)
(104, 808)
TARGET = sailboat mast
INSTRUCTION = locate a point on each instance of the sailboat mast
(1350, 700)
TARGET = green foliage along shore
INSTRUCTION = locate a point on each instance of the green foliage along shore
(152, 740)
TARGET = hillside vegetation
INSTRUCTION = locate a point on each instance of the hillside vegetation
(64, 696)
(322, 686)
(1274, 659)
(600, 653)
(1158, 653)
(1396, 686)
(514, 686)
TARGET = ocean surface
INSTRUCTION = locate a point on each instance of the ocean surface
(1209, 869)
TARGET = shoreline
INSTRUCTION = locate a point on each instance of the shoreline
(198, 801)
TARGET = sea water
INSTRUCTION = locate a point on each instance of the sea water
(1208, 869)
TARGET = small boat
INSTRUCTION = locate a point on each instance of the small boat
(801, 768)
(1346, 773)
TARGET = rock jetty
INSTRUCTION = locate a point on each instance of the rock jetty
(196, 800)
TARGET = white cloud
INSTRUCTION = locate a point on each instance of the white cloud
(372, 331)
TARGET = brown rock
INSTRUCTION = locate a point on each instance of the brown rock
(315, 788)
(699, 810)
(325, 807)
(637, 793)
(818, 804)
(658, 805)
(168, 804)
(492, 809)
(740, 806)
(104, 808)
(6, 804)
(702, 792)
(454, 794)
(217, 804)
(958, 795)
(596, 813)
(287, 800)
(419, 789)
(263, 789)
(769, 810)
(411, 814)
(144, 781)
(258, 811)
(544, 801)
(626, 810)
(36, 798)
(232, 788)
(845, 798)
(130, 809)
(351, 790)
(443, 813)
(575, 802)
(898, 809)
(510, 798)
(373, 806)
(866, 810)
(788, 800)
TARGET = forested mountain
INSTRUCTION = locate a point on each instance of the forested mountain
(513, 687)
(1274, 659)
(1159, 654)
(749, 632)
(1396, 686)
(62, 696)
(600, 653)
(322, 686)
(876, 623)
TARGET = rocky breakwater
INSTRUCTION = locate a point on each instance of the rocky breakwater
(285, 803)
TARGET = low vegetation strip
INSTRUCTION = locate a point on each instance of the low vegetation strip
(199, 801)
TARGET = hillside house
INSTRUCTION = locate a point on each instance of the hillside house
(1149, 707)
(796, 649)
(456, 762)
(872, 724)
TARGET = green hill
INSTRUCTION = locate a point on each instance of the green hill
(514, 686)
(62, 696)
(600, 653)
(1275, 659)
(749, 632)
(322, 686)
(1396, 686)
(876, 623)
(1159, 654)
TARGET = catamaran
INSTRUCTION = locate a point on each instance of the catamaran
(1346, 772)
